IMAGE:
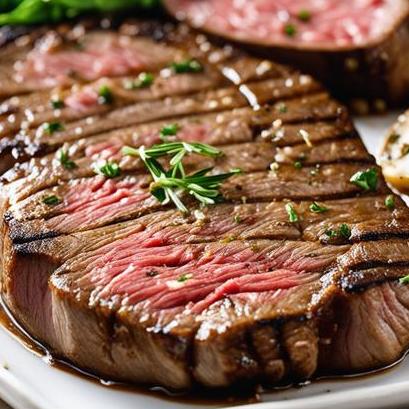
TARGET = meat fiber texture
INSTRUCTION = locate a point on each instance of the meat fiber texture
(135, 291)
(359, 48)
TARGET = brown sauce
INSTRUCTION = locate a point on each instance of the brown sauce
(238, 394)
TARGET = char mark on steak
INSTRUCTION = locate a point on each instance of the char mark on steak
(273, 284)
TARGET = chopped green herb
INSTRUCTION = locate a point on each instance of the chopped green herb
(51, 200)
(186, 66)
(281, 107)
(404, 280)
(345, 231)
(237, 219)
(169, 184)
(65, 160)
(169, 130)
(298, 164)
(390, 202)
(292, 214)
(331, 233)
(52, 127)
(57, 103)
(317, 208)
(144, 80)
(108, 169)
(183, 278)
(20, 12)
(304, 15)
(105, 95)
(290, 30)
(367, 180)
(405, 149)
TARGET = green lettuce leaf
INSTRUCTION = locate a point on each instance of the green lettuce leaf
(51, 11)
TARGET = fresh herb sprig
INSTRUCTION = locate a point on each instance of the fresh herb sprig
(168, 185)
(404, 280)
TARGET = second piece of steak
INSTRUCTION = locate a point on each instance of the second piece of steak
(358, 48)
(275, 283)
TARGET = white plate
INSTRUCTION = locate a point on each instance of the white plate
(30, 383)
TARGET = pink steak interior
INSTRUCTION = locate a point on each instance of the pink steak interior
(306, 23)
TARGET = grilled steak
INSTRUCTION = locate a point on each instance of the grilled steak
(271, 284)
(358, 48)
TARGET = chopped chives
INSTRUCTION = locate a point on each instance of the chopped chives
(51, 200)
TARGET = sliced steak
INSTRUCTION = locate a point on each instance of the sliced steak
(163, 268)
(57, 60)
(217, 129)
(274, 283)
(357, 48)
(88, 203)
(147, 111)
(250, 156)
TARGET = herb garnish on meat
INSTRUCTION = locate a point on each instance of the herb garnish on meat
(317, 208)
(390, 202)
(168, 184)
(290, 30)
(367, 180)
(187, 66)
(64, 159)
(57, 103)
(108, 169)
(105, 95)
(169, 130)
(344, 231)
(304, 15)
(51, 200)
(144, 80)
(292, 214)
(52, 127)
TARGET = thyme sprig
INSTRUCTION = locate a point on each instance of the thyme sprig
(168, 185)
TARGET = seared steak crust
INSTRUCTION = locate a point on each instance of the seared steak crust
(136, 291)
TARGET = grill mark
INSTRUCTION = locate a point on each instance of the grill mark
(209, 101)
(131, 165)
(23, 150)
(122, 99)
(245, 185)
(309, 229)
(9, 108)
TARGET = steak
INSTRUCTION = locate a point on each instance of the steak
(271, 284)
(358, 48)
